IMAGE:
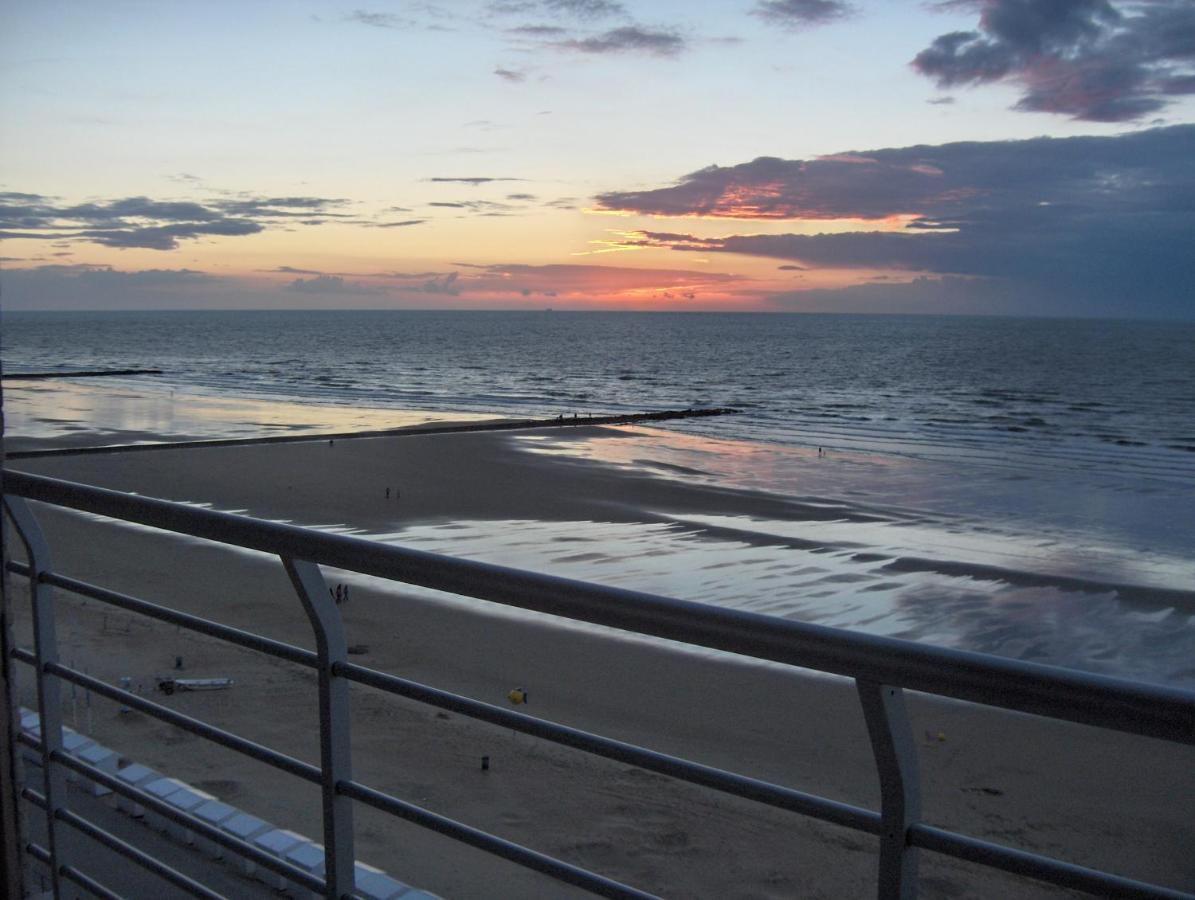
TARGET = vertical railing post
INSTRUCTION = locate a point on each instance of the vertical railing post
(335, 742)
(45, 648)
(900, 789)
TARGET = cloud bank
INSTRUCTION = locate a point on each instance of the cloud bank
(1102, 218)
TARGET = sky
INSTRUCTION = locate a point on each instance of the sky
(1008, 157)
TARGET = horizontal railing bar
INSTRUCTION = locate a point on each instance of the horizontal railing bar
(1020, 862)
(749, 788)
(516, 853)
(164, 809)
(41, 854)
(1084, 697)
(675, 767)
(128, 851)
(249, 748)
(228, 633)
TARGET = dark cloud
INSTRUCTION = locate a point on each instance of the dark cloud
(628, 39)
(403, 224)
(154, 224)
(515, 76)
(868, 186)
(291, 270)
(801, 13)
(283, 207)
(792, 268)
(1101, 217)
(477, 207)
(940, 101)
(473, 180)
(538, 31)
(1088, 59)
(166, 237)
(522, 198)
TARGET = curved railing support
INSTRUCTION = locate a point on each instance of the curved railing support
(49, 701)
(334, 723)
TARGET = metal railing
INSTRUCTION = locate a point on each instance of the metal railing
(882, 668)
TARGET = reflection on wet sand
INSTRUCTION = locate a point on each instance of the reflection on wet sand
(70, 414)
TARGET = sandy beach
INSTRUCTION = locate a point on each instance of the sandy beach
(1092, 797)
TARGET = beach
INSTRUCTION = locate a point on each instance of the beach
(1092, 797)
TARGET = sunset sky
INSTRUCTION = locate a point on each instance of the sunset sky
(975, 156)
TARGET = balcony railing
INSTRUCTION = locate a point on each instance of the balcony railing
(882, 669)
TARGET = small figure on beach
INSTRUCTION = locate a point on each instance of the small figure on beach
(338, 594)
(821, 452)
(387, 493)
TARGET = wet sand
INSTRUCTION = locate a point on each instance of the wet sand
(1091, 797)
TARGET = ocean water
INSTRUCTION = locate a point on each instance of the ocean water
(1018, 487)
(1103, 395)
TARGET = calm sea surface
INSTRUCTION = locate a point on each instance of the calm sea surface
(1029, 485)
(1096, 394)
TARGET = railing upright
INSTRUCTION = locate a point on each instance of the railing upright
(334, 723)
(49, 703)
(900, 789)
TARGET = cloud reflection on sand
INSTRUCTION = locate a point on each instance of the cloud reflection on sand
(123, 412)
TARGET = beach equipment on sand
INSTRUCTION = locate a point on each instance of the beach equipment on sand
(170, 685)
(517, 696)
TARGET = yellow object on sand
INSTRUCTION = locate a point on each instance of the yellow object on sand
(517, 696)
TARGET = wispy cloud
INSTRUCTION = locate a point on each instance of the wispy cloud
(1087, 59)
(154, 224)
(476, 207)
(628, 39)
(473, 180)
(583, 10)
(403, 224)
(515, 76)
(538, 31)
(586, 9)
(798, 14)
(378, 19)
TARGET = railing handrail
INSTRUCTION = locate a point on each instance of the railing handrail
(1067, 694)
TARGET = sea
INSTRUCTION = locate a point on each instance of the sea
(1035, 477)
